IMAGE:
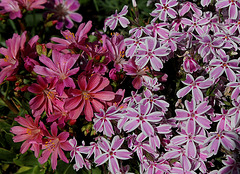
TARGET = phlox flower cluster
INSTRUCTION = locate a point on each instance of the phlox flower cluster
(116, 85)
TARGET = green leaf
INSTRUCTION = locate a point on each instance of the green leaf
(6, 155)
(31, 170)
(26, 159)
(64, 168)
(96, 170)
(4, 126)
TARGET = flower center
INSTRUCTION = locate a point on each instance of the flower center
(165, 7)
(62, 76)
(49, 94)
(60, 11)
(86, 96)
(51, 144)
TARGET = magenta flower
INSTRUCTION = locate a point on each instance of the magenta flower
(191, 140)
(194, 86)
(142, 116)
(234, 113)
(187, 6)
(59, 114)
(113, 20)
(190, 65)
(76, 153)
(230, 40)
(134, 70)
(90, 97)
(232, 5)
(72, 41)
(9, 64)
(168, 39)
(11, 7)
(223, 120)
(236, 90)
(59, 68)
(164, 9)
(195, 114)
(157, 29)
(209, 46)
(224, 65)
(46, 96)
(225, 138)
(235, 25)
(149, 52)
(102, 121)
(55, 145)
(112, 153)
(94, 148)
(195, 24)
(31, 133)
(132, 46)
(64, 12)
(205, 2)
(138, 31)
(31, 4)
(231, 166)
(116, 50)
(156, 101)
(179, 153)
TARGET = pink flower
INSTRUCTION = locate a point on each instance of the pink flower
(232, 5)
(164, 9)
(32, 132)
(150, 52)
(116, 50)
(205, 2)
(187, 6)
(90, 97)
(142, 116)
(236, 90)
(102, 121)
(194, 86)
(59, 113)
(190, 65)
(55, 145)
(132, 46)
(31, 4)
(113, 20)
(179, 152)
(76, 153)
(226, 138)
(224, 65)
(191, 141)
(138, 31)
(209, 46)
(46, 96)
(11, 7)
(231, 166)
(59, 68)
(195, 24)
(194, 114)
(9, 64)
(72, 40)
(112, 153)
(64, 12)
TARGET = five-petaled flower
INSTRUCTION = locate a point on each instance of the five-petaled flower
(112, 153)
(113, 20)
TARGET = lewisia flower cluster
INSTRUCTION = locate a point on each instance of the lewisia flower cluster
(195, 131)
